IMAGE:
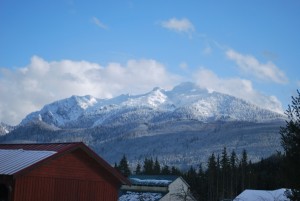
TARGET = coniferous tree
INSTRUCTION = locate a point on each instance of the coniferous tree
(290, 141)
(156, 168)
(202, 184)
(233, 174)
(175, 171)
(243, 169)
(218, 178)
(192, 179)
(123, 167)
(165, 170)
(138, 169)
(148, 166)
(225, 169)
(212, 177)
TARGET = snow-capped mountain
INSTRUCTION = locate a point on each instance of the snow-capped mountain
(4, 128)
(186, 101)
(182, 126)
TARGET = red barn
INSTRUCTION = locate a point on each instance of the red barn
(56, 172)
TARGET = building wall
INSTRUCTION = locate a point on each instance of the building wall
(72, 177)
(178, 191)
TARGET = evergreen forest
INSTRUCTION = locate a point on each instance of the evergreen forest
(226, 175)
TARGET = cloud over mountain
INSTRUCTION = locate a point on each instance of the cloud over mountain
(29, 88)
(265, 71)
(241, 88)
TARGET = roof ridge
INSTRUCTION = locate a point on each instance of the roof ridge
(42, 143)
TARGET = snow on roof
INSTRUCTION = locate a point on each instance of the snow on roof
(135, 196)
(14, 160)
(152, 180)
(262, 195)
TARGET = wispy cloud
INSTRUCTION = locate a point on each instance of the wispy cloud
(208, 79)
(100, 24)
(250, 65)
(27, 89)
(178, 25)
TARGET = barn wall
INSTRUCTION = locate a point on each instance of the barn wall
(56, 189)
(72, 177)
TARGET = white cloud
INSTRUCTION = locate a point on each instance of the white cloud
(179, 25)
(27, 89)
(100, 24)
(251, 65)
(237, 87)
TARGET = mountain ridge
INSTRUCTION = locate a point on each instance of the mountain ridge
(181, 127)
(183, 101)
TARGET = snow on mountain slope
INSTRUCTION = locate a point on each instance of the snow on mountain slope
(5, 129)
(185, 101)
(63, 111)
(181, 127)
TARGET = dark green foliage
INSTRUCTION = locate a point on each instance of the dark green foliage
(165, 170)
(226, 176)
(123, 166)
(233, 174)
(290, 140)
(148, 166)
(212, 175)
(175, 171)
(229, 177)
(243, 169)
(138, 169)
(156, 168)
(268, 173)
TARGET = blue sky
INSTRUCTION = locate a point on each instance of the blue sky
(53, 49)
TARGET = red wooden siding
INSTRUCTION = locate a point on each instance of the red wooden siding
(56, 189)
(74, 176)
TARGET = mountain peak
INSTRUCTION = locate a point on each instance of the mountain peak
(84, 101)
(185, 101)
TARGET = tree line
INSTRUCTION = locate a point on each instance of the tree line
(223, 177)
(227, 175)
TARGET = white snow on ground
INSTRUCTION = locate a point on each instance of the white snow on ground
(136, 196)
(262, 195)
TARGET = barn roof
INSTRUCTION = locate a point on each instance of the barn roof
(14, 160)
(33, 155)
(58, 147)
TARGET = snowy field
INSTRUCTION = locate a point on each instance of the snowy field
(135, 196)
